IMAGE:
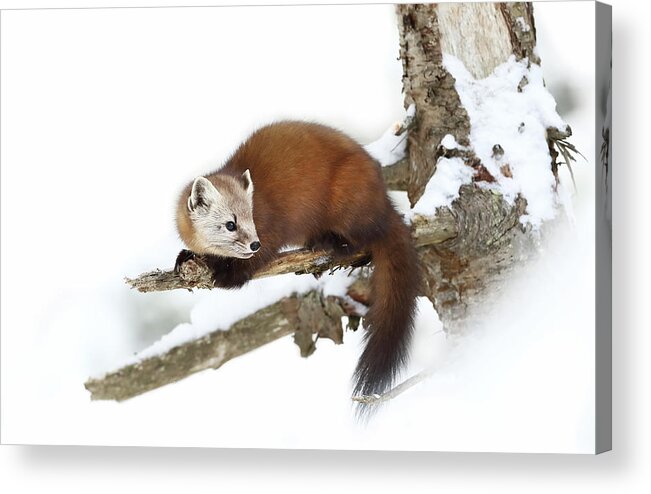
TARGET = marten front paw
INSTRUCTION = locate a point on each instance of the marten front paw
(220, 270)
(184, 256)
(227, 275)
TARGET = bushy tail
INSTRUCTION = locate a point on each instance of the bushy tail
(395, 284)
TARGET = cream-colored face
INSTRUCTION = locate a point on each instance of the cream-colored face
(223, 219)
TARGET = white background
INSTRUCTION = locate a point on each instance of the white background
(227, 470)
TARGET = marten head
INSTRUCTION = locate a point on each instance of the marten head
(216, 216)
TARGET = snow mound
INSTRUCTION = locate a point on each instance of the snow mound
(221, 308)
(511, 109)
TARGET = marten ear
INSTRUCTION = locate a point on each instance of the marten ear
(203, 194)
(248, 183)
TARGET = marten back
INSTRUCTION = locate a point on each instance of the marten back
(307, 181)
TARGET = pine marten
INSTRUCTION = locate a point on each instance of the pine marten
(298, 183)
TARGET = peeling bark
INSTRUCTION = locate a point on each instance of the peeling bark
(465, 273)
(521, 29)
(430, 87)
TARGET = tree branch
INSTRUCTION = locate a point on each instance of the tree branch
(195, 274)
(396, 390)
(396, 176)
(309, 313)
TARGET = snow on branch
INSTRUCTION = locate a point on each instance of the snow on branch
(297, 314)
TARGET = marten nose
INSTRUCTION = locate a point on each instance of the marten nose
(255, 246)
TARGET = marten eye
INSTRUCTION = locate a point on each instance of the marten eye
(230, 226)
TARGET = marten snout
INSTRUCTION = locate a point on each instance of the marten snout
(249, 246)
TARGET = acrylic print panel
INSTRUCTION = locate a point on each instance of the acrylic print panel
(108, 113)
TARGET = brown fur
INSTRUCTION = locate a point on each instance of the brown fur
(317, 187)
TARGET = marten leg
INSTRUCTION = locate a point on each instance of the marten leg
(184, 256)
(332, 242)
(339, 246)
(229, 272)
(362, 236)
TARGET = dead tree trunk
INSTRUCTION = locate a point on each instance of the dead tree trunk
(461, 272)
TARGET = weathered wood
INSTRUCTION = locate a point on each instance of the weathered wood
(430, 87)
(304, 315)
(475, 33)
(396, 176)
(521, 28)
(463, 272)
